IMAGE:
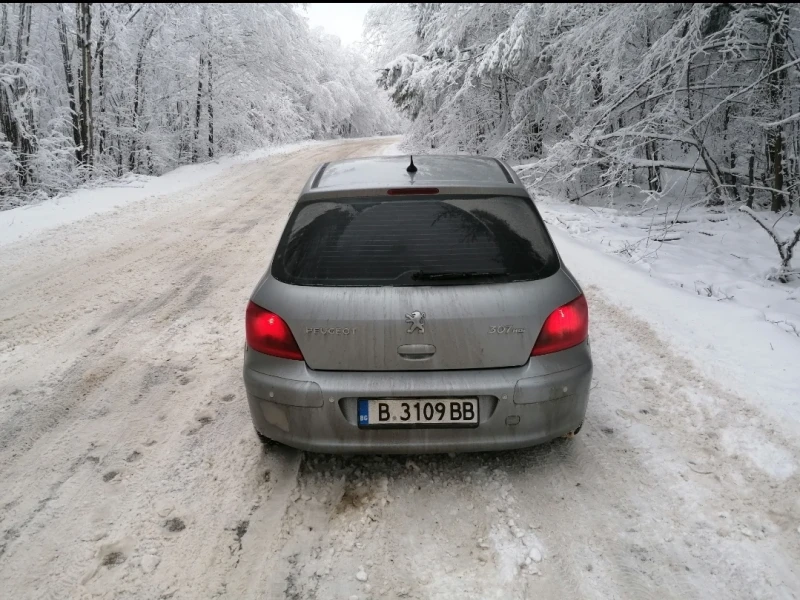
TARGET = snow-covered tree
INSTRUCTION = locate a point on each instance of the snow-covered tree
(599, 96)
(90, 89)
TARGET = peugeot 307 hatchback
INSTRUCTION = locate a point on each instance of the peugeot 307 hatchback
(416, 308)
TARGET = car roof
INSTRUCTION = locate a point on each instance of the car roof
(449, 173)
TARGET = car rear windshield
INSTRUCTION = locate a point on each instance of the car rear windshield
(419, 241)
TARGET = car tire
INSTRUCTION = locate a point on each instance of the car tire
(571, 434)
(264, 439)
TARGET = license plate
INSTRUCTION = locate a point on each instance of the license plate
(414, 412)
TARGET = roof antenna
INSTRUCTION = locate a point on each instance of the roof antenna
(411, 168)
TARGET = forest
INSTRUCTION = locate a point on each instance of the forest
(609, 94)
(97, 90)
(611, 102)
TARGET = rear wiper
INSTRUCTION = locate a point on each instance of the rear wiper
(456, 275)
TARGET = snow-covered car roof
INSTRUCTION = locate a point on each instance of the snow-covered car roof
(474, 174)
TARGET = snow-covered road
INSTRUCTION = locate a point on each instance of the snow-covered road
(129, 467)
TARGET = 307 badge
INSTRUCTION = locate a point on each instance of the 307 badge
(506, 329)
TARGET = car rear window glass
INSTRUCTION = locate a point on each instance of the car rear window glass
(370, 241)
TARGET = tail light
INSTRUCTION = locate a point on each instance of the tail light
(567, 326)
(269, 334)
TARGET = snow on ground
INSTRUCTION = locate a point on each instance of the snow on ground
(732, 342)
(393, 149)
(25, 221)
(129, 467)
(722, 255)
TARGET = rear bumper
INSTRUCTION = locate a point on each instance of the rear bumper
(518, 407)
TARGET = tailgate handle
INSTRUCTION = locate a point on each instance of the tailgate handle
(416, 351)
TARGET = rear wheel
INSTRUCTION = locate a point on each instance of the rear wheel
(264, 439)
(269, 445)
(571, 434)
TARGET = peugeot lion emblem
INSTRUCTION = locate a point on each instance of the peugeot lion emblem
(417, 321)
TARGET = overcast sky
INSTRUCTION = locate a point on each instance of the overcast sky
(343, 20)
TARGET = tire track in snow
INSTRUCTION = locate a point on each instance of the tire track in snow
(690, 489)
(172, 453)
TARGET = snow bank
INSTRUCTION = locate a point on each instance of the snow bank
(730, 342)
(723, 256)
(25, 221)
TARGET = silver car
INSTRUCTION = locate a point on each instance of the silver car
(416, 308)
